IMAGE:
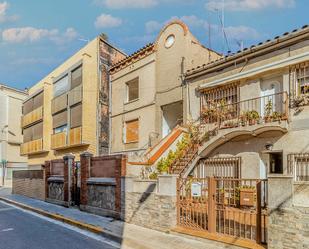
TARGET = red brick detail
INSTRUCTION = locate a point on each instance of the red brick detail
(85, 161)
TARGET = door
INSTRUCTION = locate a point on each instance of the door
(269, 99)
(76, 184)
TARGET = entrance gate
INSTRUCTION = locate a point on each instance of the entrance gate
(75, 184)
(224, 206)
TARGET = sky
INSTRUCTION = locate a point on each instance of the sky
(36, 36)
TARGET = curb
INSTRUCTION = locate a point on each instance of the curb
(81, 225)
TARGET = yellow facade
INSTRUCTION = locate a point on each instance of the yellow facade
(89, 58)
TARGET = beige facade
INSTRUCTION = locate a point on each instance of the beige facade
(10, 132)
(268, 80)
(67, 111)
(158, 68)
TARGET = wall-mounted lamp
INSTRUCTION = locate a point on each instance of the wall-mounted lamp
(269, 146)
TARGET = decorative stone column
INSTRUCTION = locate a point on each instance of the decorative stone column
(85, 164)
(68, 178)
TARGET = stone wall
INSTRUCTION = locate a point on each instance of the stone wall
(56, 190)
(150, 203)
(29, 183)
(288, 213)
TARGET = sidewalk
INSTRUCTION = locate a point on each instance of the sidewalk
(128, 235)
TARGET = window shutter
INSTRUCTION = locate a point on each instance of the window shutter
(60, 119)
(37, 131)
(60, 103)
(28, 106)
(38, 100)
(27, 134)
(76, 116)
(132, 131)
(76, 77)
(61, 86)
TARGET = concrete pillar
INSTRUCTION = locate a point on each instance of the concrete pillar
(85, 164)
(167, 185)
(68, 177)
(280, 192)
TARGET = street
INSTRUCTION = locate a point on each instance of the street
(23, 230)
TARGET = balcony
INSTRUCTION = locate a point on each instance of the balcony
(61, 140)
(32, 117)
(261, 110)
(32, 147)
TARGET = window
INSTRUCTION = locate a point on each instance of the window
(302, 77)
(33, 133)
(275, 163)
(38, 100)
(132, 90)
(60, 129)
(61, 86)
(33, 103)
(60, 119)
(76, 77)
(76, 116)
(131, 131)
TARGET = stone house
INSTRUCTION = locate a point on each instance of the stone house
(147, 88)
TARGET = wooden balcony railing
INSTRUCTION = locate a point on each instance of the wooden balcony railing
(75, 136)
(32, 117)
(259, 110)
(59, 140)
(32, 147)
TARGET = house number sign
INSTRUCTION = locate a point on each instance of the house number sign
(196, 189)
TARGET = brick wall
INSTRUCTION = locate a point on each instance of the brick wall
(30, 183)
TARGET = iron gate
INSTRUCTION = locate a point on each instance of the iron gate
(75, 188)
(224, 206)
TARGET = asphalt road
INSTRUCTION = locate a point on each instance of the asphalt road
(22, 230)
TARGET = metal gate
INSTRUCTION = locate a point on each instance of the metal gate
(224, 206)
(75, 188)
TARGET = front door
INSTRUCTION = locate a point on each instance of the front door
(269, 100)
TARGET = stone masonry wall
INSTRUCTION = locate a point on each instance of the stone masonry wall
(150, 210)
(56, 191)
(289, 228)
(29, 183)
(101, 196)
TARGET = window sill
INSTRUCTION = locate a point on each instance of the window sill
(133, 142)
(131, 101)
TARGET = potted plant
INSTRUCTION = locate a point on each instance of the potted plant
(268, 110)
(253, 117)
(276, 116)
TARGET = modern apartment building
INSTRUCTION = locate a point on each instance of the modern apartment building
(11, 138)
(148, 88)
(68, 110)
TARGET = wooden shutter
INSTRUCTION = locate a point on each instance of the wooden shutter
(38, 100)
(76, 116)
(76, 77)
(132, 131)
(37, 131)
(59, 103)
(75, 95)
(27, 134)
(28, 106)
(60, 119)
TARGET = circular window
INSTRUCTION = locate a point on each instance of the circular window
(169, 41)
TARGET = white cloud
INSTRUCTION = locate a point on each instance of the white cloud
(31, 34)
(3, 15)
(152, 26)
(119, 4)
(242, 33)
(107, 21)
(246, 5)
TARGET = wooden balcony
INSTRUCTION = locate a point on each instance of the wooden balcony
(261, 110)
(32, 117)
(75, 136)
(59, 140)
(32, 147)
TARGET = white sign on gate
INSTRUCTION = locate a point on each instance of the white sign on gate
(196, 189)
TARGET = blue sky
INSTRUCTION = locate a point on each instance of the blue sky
(36, 36)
